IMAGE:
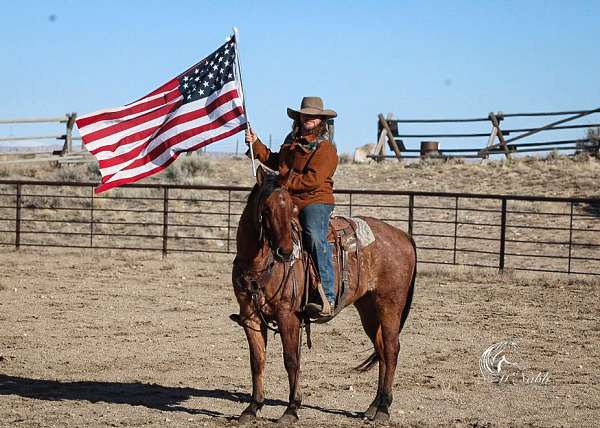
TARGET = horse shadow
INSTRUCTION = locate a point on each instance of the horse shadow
(152, 396)
(593, 208)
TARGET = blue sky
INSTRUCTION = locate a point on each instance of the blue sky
(413, 58)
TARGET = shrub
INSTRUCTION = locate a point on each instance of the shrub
(69, 174)
(345, 158)
(93, 171)
(173, 173)
(187, 168)
(193, 166)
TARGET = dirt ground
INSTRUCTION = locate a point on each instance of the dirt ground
(100, 338)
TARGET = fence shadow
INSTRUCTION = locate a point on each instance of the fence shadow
(152, 396)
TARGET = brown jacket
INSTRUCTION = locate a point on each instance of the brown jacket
(308, 173)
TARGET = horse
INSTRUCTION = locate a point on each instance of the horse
(270, 278)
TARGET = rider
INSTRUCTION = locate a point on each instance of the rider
(306, 163)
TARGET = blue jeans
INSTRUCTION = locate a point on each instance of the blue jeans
(315, 224)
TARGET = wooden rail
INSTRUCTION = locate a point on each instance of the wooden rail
(68, 120)
(496, 141)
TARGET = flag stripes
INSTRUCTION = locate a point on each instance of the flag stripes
(199, 107)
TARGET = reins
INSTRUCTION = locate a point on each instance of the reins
(255, 280)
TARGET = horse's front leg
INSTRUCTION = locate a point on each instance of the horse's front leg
(289, 327)
(256, 333)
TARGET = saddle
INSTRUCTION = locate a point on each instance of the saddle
(347, 237)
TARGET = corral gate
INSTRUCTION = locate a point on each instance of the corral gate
(547, 234)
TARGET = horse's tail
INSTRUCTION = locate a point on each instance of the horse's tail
(367, 364)
(373, 359)
(411, 290)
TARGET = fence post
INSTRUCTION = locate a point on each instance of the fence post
(165, 220)
(92, 218)
(228, 218)
(502, 235)
(350, 203)
(69, 136)
(411, 207)
(455, 228)
(18, 218)
(570, 238)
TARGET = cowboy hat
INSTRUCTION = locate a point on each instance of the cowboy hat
(312, 106)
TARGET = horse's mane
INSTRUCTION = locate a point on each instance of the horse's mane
(261, 192)
(268, 186)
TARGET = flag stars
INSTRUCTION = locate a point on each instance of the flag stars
(210, 75)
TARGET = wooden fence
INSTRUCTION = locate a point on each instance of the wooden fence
(66, 154)
(499, 139)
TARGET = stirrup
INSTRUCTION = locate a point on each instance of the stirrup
(320, 313)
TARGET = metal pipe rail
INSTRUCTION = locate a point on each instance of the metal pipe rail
(505, 232)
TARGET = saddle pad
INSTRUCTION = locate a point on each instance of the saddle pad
(364, 234)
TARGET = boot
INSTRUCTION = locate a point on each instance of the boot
(324, 311)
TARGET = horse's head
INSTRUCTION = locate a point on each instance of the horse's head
(277, 215)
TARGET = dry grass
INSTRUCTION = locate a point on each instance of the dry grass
(466, 274)
(553, 175)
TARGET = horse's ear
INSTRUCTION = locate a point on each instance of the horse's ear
(260, 175)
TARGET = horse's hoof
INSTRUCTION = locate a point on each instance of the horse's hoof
(382, 415)
(246, 418)
(370, 413)
(287, 419)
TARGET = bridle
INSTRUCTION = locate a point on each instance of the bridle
(263, 226)
(255, 288)
(255, 278)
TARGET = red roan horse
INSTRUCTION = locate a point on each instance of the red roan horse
(269, 282)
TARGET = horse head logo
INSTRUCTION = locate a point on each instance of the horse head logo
(500, 361)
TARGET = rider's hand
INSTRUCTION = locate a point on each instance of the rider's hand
(250, 136)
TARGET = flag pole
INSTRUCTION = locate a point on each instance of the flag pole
(236, 33)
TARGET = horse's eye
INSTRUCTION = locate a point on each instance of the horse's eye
(266, 211)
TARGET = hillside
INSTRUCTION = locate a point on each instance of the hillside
(552, 176)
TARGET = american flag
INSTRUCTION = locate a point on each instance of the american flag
(200, 106)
